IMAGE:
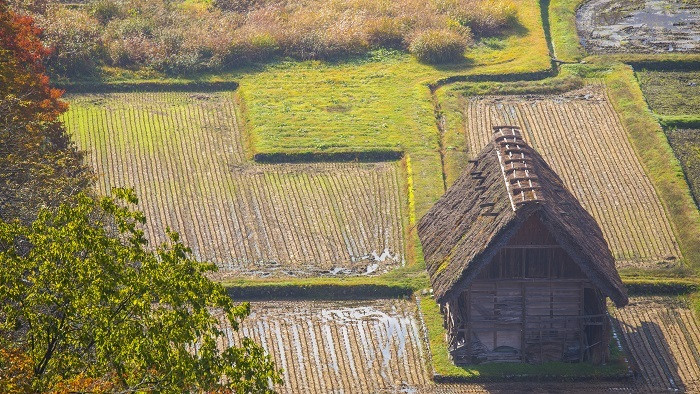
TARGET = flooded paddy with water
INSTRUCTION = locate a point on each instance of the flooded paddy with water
(639, 26)
(349, 346)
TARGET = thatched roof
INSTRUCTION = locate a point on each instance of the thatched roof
(506, 184)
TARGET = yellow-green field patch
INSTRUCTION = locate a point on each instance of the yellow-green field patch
(183, 154)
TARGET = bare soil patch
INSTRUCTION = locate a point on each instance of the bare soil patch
(581, 137)
(639, 26)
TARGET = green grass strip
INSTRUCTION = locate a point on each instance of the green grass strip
(400, 282)
(652, 61)
(663, 286)
(562, 25)
(679, 121)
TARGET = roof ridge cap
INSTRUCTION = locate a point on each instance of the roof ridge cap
(519, 176)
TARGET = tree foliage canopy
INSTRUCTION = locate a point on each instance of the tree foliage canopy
(39, 165)
(92, 307)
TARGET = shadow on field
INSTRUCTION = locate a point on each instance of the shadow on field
(649, 354)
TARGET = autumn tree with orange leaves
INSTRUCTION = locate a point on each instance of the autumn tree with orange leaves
(86, 305)
(39, 165)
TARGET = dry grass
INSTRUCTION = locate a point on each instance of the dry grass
(193, 35)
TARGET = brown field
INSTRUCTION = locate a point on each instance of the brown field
(581, 137)
(183, 154)
(662, 338)
(378, 346)
(334, 347)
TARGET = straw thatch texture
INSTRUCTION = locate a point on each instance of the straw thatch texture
(489, 202)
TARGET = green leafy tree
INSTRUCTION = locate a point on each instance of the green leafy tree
(89, 303)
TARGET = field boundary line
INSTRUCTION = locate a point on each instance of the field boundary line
(147, 86)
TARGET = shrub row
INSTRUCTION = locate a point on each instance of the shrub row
(183, 36)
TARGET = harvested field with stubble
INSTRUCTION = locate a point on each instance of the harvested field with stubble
(335, 347)
(183, 154)
(581, 137)
(378, 346)
(662, 337)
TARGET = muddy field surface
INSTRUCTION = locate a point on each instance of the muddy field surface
(341, 347)
(183, 153)
(662, 338)
(581, 137)
(378, 346)
(671, 92)
(639, 26)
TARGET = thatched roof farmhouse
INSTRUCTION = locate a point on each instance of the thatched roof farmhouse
(521, 270)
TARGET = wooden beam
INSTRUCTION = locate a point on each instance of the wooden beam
(523, 323)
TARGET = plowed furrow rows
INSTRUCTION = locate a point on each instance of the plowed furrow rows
(581, 137)
(183, 154)
(661, 335)
(339, 347)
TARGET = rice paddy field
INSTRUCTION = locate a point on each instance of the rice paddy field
(671, 92)
(378, 346)
(686, 146)
(183, 153)
(662, 337)
(581, 137)
(639, 26)
(356, 346)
